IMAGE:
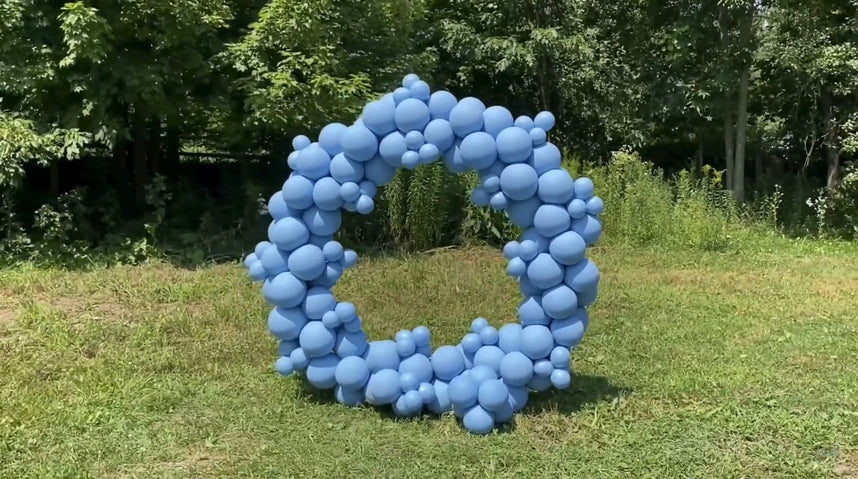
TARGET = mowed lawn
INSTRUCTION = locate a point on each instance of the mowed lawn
(741, 364)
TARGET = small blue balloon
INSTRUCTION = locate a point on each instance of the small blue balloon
(478, 150)
(329, 277)
(351, 344)
(349, 191)
(378, 117)
(584, 188)
(401, 94)
(521, 213)
(349, 258)
(383, 387)
(406, 347)
(352, 372)
(420, 335)
(537, 136)
(414, 140)
(331, 320)
(291, 160)
(536, 341)
(519, 181)
(321, 371)
(345, 311)
(359, 143)
(326, 194)
(498, 201)
(408, 382)
(410, 159)
(299, 359)
(569, 331)
(288, 233)
(543, 367)
(257, 271)
(560, 357)
(514, 145)
(471, 342)
(344, 169)
(419, 90)
(556, 186)
(582, 276)
(307, 262)
(530, 312)
(349, 397)
(313, 162)
(511, 249)
(595, 205)
(516, 369)
(481, 374)
(284, 365)
(418, 365)
(453, 160)
(298, 192)
(551, 220)
(392, 147)
(441, 402)
(568, 248)
(589, 228)
(489, 335)
(478, 324)
(577, 208)
(411, 114)
(490, 356)
(300, 142)
(277, 207)
(321, 222)
(413, 400)
(379, 172)
(546, 157)
(524, 122)
(467, 116)
(318, 302)
(496, 119)
(544, 120)
(493, 394)
(539, 383)
(491, 183)
(428, 153)
(561, 379)
(447, 362)
(333, 251)
(275, 261)
(284, 290)
(382, 355)
(427, 392)
(439, 133)
(480, 197)
(509, 337)
(286, 323)
(463, 391)
(409, 80)
(260, 248)
(560, 302)
(516, 267)
(478, 421)
(544, 272)
(440, 105)
(529, 249)
(330, 136)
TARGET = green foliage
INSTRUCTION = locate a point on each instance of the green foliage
(837, 209)
(20, 142)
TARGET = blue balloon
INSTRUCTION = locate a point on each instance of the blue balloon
(441, 402)
(331, 320)
(326, 194)
(521, 213)
(589, 228)
(257, 271)
(344, 169)
(517, 397)
(414, 140)
(560, 357)
(556, 186)
(427, 392)
(345, 311)
(299, 359)
(409, 80)
(559, 302)
(392, 147)
(382, 355)
(514, 145)
(447, 362)
(378, 117)
(321, 371)
(480, 197)
(595, 205)
(544, 272)
(321, 222)
(544, 120)
(546, 157)
(359, 143)
(519, 181)
(313, 162)
(489, 335)
(298, 192)
(413, 401)
(467, 116)
(493, 394)
(353, 326)
(440, 104)
(439, 133)
(516, 267)
(516, 369)
(577, 208)
(471, 343)
(453, 160)
(490, 356)
(536, 341)
(462, 391)
(349, 397)
(307, 262)
(401, 94)
(479, 324)
(410, 159)
(537, 136)
(300, 142)
(584, 188)
(478, 150)
(530, 312)
(582, 276)
(383, 387)
(478, 421)
(285, 348)
(349, 258)
(284, 290)
(333, 251)
(411, 114)
(351, 344)
(330, 136)
(588, 297)
(509, 337)
(498, 201)
(408, 382)
(368, 188)
(496, 119)
(560, 379)
(543, 367)
(539, 383)
(569, 331)
(511, 249)
(284, 365)
(568, 248)
(277, 207)
(291, 160)
(551, 220)
(379, 172)
(491, 183)
(275, 261)
(418, 365)
(528, 250)
(286, 323)
(318, 302)
(349, 191)
(405, 347)
(316, 340)
(332, 273)
(524, 122)
(419, 90)
(428, 153)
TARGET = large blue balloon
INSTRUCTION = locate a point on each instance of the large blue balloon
(487, 377)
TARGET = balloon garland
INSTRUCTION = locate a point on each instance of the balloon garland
(487, 377)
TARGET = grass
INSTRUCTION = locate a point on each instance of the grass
(731, 364)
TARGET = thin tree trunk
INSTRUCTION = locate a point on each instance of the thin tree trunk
(742, 109)
(832, 150)
(139, 154)
(724, 26)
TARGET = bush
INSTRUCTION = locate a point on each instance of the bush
(836, 209)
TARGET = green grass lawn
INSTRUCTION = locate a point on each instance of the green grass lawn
(740, 364)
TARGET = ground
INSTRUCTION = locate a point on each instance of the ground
(739, 364)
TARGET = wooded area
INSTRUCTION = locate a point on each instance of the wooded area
(122, 117)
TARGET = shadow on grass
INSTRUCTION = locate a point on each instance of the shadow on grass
(584, 391)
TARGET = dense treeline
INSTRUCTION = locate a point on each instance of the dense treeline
(143, 125)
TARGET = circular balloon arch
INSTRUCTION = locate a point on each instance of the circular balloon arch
(488, 376)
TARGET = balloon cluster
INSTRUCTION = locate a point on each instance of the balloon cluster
(488, 375)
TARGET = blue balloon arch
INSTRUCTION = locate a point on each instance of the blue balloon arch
(488, 376)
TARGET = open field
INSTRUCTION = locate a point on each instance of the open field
(695, 365)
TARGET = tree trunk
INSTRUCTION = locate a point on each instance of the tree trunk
(742, 109)
(830, 144)
(139, 154)
(724, 27)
